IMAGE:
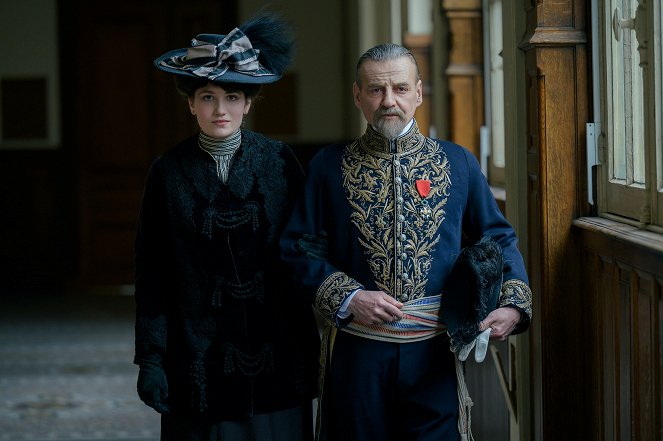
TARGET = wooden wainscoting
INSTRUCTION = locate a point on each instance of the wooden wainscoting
(622, 278)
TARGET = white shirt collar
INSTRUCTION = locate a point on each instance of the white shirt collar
(407, 127)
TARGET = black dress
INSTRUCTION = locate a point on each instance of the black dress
(212, 303)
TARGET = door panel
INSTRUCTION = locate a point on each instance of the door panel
(126, 112)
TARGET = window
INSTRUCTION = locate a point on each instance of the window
(492, 136)
(658, 122)
(631, 174)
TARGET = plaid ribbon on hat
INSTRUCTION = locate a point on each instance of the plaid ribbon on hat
(207, 60)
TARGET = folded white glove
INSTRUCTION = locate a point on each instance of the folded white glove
(481, 343)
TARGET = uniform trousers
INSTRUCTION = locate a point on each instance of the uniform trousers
(385, 391)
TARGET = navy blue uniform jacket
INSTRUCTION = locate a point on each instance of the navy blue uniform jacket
(386, 231)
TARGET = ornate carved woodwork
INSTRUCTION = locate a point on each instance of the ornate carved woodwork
(465, 72)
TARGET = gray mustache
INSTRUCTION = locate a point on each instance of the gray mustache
(389, 113)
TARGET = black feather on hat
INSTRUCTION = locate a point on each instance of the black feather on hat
(472, 290)
(257, 52)
(274, 40)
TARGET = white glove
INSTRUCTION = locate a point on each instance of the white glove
(481, 343)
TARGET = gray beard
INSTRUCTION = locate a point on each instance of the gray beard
(389, 130)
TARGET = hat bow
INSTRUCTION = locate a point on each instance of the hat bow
(209, 60)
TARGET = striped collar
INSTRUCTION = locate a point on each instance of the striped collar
(220, 147)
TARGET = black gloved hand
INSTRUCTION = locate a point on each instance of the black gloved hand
(313, 246)
(153, 387)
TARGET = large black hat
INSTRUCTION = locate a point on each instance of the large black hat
(472, 291)
(257, 52)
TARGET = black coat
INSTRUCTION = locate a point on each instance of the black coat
(212, 303)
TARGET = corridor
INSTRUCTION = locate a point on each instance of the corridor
(66, 370)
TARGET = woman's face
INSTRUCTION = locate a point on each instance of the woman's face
(219, 113)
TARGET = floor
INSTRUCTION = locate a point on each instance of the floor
(66, 373)
(66, 370)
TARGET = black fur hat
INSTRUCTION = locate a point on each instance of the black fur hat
(472, 290)
(257, 52)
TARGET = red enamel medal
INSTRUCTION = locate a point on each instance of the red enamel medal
(423, 187)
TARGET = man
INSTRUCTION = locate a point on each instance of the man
(394, 208)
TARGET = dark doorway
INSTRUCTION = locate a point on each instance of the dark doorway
(120, 112)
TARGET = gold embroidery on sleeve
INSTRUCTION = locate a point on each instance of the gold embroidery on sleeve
(336, 287)
(516, 292)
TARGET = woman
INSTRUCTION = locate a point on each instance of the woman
(224, 350)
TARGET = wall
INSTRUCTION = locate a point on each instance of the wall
(37, 221)
(29, 47)
(322, 86)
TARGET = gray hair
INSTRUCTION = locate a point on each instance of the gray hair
(384, 52)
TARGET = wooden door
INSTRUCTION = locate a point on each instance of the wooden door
(124, 112)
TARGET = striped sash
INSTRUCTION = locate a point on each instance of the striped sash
(420, 321)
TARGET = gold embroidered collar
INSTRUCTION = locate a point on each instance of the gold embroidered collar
(376, 144)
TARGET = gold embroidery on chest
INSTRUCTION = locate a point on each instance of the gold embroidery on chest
(396, 235)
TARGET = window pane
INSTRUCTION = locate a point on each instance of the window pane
(625, 176)
(496, 84)
(618, 115)
(637, 103)
(628, 148)
(659, 103)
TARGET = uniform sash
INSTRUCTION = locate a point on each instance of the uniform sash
(421, 321)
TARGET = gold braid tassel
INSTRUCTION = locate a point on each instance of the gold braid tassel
(464, 403)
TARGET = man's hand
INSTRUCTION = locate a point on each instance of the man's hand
(502, 321)
(375, 307)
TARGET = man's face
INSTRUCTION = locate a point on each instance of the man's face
(389, 94)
